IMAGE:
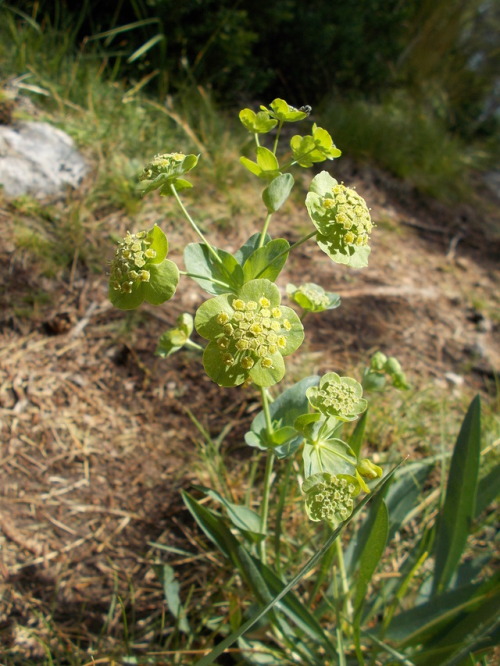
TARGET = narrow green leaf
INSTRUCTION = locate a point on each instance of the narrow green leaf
(371, 553)
(241, 516)
(277, 192)
(457, 513)
(487, 490)
(145, 47)
(315, 559)
(356, 439)
(404, 492)
(171, 591)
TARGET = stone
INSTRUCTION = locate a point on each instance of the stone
(39, 160)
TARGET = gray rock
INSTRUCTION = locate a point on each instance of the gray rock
(39, 160)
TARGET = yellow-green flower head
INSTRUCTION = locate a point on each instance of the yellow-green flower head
(342, 219)
(165, 170)
(249, 334)
(330, 497)
(336, 396)
(313, 298)
(140, 270)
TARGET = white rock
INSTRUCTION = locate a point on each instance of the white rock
(39, 160)
(453, 379)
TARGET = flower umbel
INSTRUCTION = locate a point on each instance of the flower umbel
(342, 219)
(336, 396)
(165, 170)
(249, 335)
(330, 497)
(313, 298)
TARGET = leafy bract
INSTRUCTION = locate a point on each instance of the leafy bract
(140, 271)
(277, 192)
(266, 262)
(215, 277)
(258, 123)
(249, 334)
(266, 167)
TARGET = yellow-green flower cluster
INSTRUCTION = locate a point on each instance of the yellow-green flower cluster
(165, 163)
(348, 211)
(131, 256)
(340, 397)
(330, 497)
(255, 329)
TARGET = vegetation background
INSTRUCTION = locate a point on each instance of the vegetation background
(410, 92)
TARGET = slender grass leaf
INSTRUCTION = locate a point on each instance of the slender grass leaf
(403, 494)
(459, 507)
(123, 28)
(145, 47)
(315, 559)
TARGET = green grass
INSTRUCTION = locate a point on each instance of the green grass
(409, 141)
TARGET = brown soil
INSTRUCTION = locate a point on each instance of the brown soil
(96, 439)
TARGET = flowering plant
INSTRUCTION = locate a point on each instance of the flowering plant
(248, 332)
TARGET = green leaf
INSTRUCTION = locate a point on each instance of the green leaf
(315, 559)
(487, 490)
(404, 492)
(457, 513)
(369, 557)
(264, 583)
(284, 411)
(322, 184)
(162, 284)
(266, 262)
(266, 159)
(171, 591)
(258, 123)
(349, 255)
(249, 247)
(332, 455)
(356, 439)
(200, 262)
(435, 617)
(286, 113)
(242, 517)
(277, 192)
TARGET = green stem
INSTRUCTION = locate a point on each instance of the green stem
(287, 251)
(267, 475)
(193, 345)
(264, 230)
(206, 277)
(275, 147)
(279, 515)
(256, 136)
(193, 224)
(344, 581)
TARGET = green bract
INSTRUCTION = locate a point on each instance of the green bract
(285, 113)
(330, 497)
(258, 123)
(313, 298)
(336, 396)
(176, 338)
(342, 219)
(140, 270)
(317, 147)
(166, 170)
(266, 167)
(249, 334)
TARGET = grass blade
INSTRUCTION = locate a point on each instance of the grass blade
(458, 511)
(145, 47)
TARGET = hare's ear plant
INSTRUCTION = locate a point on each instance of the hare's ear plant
(248, 334)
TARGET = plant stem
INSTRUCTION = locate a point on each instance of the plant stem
(193, 224)
(267, 475)
(256, 136)
(279, 515)
(206, 277)
(287, 251)
(344, 581)
(275, 147)
(264, 230)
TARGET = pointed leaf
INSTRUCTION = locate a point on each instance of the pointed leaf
(457, 513)
(356, 439)
(200, 262)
